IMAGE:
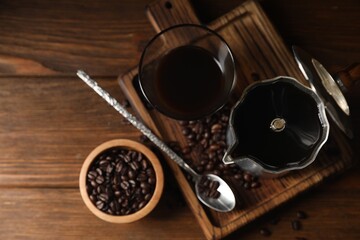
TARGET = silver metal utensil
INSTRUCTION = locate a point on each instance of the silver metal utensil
(226, 201)
(324, 85)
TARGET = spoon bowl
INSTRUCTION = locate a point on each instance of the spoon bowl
(226, 201)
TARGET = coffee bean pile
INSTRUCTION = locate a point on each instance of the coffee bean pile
(206, 139)
(120, 181)
(208, 188)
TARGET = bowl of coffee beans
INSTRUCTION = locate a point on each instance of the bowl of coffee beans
(121, 181)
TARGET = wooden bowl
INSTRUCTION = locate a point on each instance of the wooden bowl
(131, 145)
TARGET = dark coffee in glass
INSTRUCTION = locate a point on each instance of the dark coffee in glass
(189, 80)
(187, 72)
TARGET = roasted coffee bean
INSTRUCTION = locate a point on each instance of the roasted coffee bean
(246, 185)
(134, 165)
(125, 103)
(92, 198)
(224, 119)
(214, 147)
(142, 204)
(125, 203)
(124, 177)
(255, 185)
(98, 170)
(214, 184)
(124, 171)
(144, 185)
(151, 180)
(150, 172)
(296, 225)
(265, 232)
(300, 238)
(100, 189)
(134, 205)
(200, 169)
(209, 167)
(133, 155)
(186, 131)
(92, 175)
(238, 176)
(103, 197)
(212, 155)
(127, 158)
(301, 215)
(147, 197)
(186, 150)
(144, 164)
(100, 204)
(93, 183)
(217, 172)
(103, 163)
(125, 185)
(247, 177)
(99, 179)
(131, 174)
(112, 206)
(209, 188)
(191, 136)
(132, 183)
(142, 177)
(144, 139)
(119, 166)
(109, 168)
(213, 193)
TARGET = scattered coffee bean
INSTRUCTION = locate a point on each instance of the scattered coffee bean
(206, 144)
(255, 185)
(125, 103)
(120, 181)
(144, 139)
(300, 238)
(246, 185)
(265, 232)
(301, 215)
(296, 225)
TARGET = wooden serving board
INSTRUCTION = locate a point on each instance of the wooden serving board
(260, 53)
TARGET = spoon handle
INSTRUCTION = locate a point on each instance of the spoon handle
(135, 122)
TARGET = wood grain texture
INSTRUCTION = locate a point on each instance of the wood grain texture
(45, 137)
(50, 125)
(52, 38)
(257, 49)
(51, 213)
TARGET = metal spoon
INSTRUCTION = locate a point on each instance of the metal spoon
(226, 201)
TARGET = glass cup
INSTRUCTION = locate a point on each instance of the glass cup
(187, 72)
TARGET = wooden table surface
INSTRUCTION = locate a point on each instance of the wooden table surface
(50, 121)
